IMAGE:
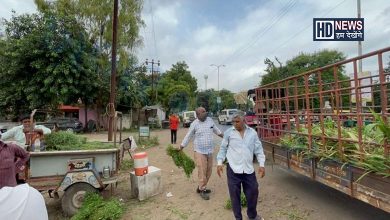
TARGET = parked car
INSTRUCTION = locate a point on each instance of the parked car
(6, 125)
(226, 116)
(64, 124)
(188, 118)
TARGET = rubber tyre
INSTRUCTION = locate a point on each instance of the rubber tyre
(74, 196)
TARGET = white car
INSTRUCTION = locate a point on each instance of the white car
(226, 116)
(188, 118)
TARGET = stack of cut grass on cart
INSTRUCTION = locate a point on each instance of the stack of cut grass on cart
(181, 160)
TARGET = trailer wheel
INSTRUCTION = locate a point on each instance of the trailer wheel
(74, 196)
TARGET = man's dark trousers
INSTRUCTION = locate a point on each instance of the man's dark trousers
(250, 188)
(173, 136)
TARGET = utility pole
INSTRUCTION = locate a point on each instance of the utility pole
(111, 104)
(158, 64)
(359, 15)
(205, 78)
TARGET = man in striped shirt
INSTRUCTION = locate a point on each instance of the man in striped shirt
(202, 129)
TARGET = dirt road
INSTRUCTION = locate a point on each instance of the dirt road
(283, 194)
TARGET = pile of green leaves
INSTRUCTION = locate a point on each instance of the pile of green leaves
(181, 160)
(95, 207)
(244, 203)
(65, 141)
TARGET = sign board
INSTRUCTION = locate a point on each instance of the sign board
(365, 92)
(144, 131)
(218, 99)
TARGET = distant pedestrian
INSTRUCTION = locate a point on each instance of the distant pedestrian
(203, 129)
(173, 125)
(240, 143)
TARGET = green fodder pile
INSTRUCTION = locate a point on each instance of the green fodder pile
(181, 160)
(95, 207)
(65, 141)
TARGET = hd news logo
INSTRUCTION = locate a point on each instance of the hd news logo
(338, 29)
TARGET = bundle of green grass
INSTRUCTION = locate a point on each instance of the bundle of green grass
(95, 207)
(181, 160)
(65, 141)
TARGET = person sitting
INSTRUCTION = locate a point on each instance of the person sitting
(18, 133)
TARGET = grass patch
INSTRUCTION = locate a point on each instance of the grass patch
(146, 143)
(127, 164)
(179, 213)
(292, 214)
(228, 204)
(95, 207)
(181, 160)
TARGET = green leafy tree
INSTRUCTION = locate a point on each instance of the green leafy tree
(227, 99)
(133, 88)
(96, 18)
(303, 63)
(46, 60)
(177, 84)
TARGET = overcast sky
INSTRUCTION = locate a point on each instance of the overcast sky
(241, 34)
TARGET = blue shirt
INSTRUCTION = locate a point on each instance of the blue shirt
(239, 150)
(203, 132)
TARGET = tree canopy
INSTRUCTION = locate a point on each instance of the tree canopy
(45, 60)
(300, 64)
(177, 88)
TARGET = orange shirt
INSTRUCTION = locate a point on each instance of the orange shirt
(173, 122)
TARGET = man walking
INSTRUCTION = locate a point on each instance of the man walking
(202, 129)
(238, 146)
(173, 125)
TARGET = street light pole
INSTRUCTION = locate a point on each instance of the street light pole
(218, 66)
(218, 98)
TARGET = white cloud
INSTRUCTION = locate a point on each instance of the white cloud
(180, 33)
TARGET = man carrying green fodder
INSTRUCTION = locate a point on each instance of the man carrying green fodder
(202, 130)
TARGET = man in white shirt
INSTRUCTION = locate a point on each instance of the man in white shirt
(238, 146)
(22, 202)
(18, 133)
(203, 129)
